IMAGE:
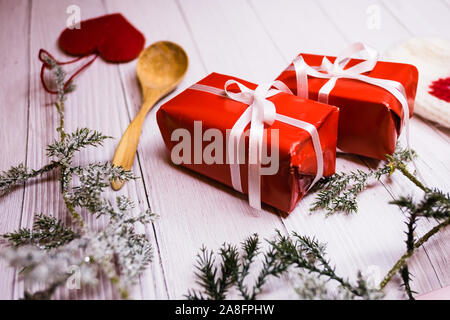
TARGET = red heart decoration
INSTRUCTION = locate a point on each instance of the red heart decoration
(111, 36)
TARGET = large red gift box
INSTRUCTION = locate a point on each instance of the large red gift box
(297, 159)
(370, 117)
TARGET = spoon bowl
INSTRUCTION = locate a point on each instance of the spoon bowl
(161, 65)
(160, 68)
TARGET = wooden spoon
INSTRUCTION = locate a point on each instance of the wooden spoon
(160, 68)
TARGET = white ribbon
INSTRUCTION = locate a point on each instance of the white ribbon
(334, 71)
(259, 111)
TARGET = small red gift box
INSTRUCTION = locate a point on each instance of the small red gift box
(193, 113)
(370, 117)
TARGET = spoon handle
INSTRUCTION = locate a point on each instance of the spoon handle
(126, 150)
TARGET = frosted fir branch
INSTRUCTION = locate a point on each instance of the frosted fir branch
(73, 142)
(47, 252)
(64, 150)
(121, 252)
(122, 215)
(94, 177)
(131, 252)
(68, 144)
(117, 250)
(20, 174)
(50, 267)
(93, 180)
(311, 287)
(59, 76)
(339, 193)
(47, 233)
(98, 175)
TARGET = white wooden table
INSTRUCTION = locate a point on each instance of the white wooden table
(253, 40)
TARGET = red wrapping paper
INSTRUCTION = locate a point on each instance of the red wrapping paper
(370, 118)
(297, 160)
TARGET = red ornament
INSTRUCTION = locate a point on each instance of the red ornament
(111, 36)
(441, 89)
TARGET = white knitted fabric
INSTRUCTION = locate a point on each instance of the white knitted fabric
(431, 56)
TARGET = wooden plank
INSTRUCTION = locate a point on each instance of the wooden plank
(47, 21)
(14, 63)
(254, 41)
(97, 103)
(297, 26)
(430, 19)
(231, 41)
(423, 19)
(420, 18)
(152, 283)
(194, 210)
(434, 169)
(374, 235)
(363, 25)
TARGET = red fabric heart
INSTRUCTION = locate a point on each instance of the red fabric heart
(111, 36)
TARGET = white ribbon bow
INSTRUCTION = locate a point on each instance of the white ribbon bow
(259, 111)
(334, 71)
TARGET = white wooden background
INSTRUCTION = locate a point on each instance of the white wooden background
(249, 39)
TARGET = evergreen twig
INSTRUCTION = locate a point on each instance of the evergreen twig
(46, 252)
(251, 250)
(339, 192)
(20, 174)
(435, 204)
(47, 233)
(283, 253)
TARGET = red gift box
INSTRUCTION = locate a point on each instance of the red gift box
(297, 159)
(370, 118)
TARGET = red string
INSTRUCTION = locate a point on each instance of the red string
(45, 65)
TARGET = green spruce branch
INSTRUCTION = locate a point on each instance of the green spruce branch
(307, 256)
(436, 205)
(300, 253)
(339, 194)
